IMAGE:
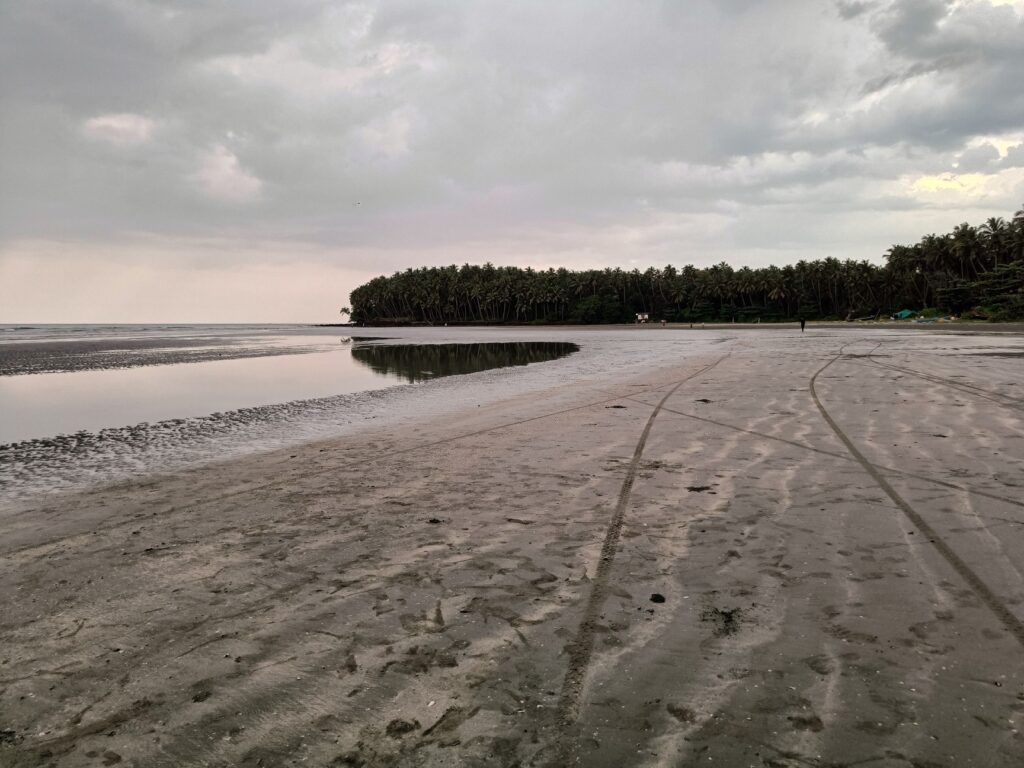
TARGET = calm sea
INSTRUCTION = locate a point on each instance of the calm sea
(56, 331)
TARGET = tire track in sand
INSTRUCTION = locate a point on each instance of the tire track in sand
(838, 455)
(582, 647)
(1007, 401)
(980, 588)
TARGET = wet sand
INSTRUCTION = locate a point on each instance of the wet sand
(781, 550)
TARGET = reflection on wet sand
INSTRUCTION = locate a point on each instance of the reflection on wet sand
(419, 362)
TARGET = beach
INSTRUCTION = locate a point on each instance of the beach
(742, 547)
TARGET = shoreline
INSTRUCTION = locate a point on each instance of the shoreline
(23, 357)
(479, 584)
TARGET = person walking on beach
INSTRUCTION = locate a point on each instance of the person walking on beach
(802, 324)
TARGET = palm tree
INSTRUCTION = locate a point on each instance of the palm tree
(988, 257)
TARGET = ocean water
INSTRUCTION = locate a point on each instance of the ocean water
(68, 331)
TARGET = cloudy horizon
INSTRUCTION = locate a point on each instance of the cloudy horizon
(255, 161)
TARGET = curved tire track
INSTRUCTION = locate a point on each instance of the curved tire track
(838, 455)
(1007, 401)
(1009, 620)
(582, 647)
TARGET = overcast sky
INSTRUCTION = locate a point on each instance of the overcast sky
(256, 160)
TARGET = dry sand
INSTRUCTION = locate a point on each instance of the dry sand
(760, 573)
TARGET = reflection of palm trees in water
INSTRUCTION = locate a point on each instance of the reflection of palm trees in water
(419, 362)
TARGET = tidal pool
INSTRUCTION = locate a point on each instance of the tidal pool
(419, 362)
(45, 405)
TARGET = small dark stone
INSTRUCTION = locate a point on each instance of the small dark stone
(657, 597)
(435, 520)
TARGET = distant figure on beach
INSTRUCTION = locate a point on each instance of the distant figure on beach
(802, 324)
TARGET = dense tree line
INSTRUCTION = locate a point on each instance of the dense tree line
(974, 270)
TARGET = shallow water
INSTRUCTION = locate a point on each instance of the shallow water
(420, 362)
(50, 404)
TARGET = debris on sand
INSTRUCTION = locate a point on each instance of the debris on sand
(657, 597)
(398, 728)
(418, 660)
(698, 488)
(809, 722)
(451, 719)
(615, 406)
(726, 620)
(681, 713)
(702, 400)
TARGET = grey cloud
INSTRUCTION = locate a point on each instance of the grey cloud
(981, 158)
(409, 124)
(935, 74)
(917, 69)
(1014, 157)
(908, 24)
(851, 9)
